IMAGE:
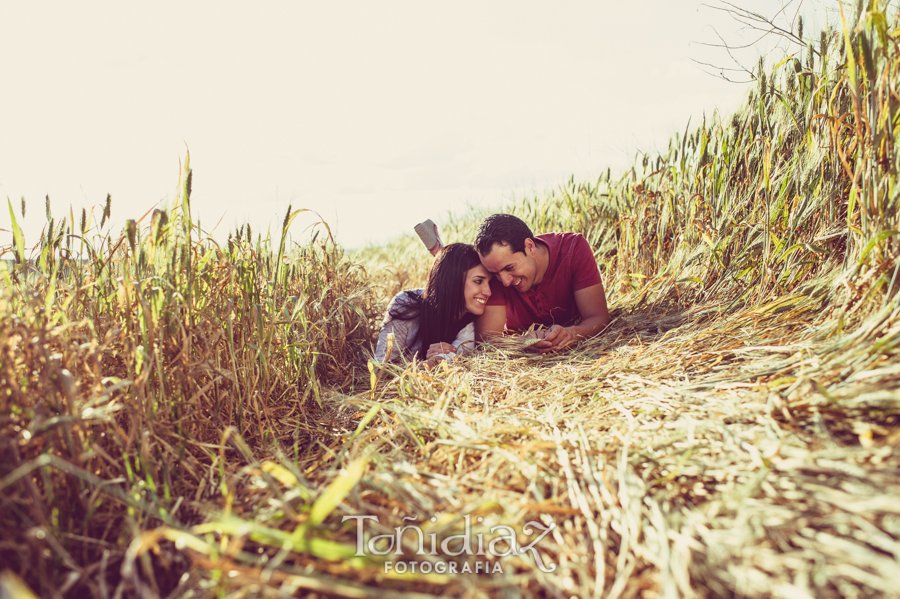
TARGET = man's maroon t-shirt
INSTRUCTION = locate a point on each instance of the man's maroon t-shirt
(571, 267)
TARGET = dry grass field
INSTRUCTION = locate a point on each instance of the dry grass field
(183, 418)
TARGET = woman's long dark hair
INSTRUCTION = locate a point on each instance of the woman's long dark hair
(441, 309)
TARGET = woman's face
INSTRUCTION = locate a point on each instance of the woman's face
(477, 289)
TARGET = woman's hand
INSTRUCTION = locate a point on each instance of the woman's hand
(436, 349)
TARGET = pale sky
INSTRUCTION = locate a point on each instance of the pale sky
(376, 114)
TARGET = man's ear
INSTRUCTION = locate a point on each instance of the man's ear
(530, 247)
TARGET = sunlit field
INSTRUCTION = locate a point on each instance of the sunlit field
(183, 417)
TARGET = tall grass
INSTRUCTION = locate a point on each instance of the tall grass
(796, 185)
(121, 375)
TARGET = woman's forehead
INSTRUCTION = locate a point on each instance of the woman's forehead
(477, 270)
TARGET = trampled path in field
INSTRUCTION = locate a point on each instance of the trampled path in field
(684, 452)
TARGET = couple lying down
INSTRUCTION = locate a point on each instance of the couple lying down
(508, 281)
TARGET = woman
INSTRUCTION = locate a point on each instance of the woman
(435, 323)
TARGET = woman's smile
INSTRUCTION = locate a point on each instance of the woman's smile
(477, 289)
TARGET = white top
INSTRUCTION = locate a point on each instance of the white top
(405, 331)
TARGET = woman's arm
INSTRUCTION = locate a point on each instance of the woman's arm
(465, 340)
(404, 332)
(400, 331)
(463, 344)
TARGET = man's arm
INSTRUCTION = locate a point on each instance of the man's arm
(591, 302)
(491, 323)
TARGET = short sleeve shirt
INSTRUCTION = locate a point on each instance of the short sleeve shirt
(571, 267)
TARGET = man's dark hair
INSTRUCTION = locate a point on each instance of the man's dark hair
(504, 229)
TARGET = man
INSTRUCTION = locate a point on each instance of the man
(550, 280)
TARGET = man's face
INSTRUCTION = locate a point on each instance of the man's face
(514, 269)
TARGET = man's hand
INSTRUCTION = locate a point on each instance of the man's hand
(436, 349)
(591, 302)
(553, 339)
